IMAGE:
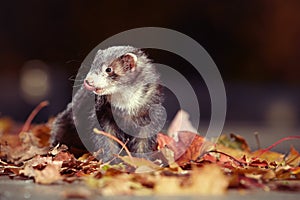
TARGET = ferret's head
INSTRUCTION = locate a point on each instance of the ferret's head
(117, 68)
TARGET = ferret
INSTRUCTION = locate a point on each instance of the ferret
(121, 95)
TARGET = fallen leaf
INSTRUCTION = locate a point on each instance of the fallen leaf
(234, 142)
(140, 163)
(293, 158)
(122, 184)
(184, 165)
(270, 156)
(192, 144)
(50, 174)
(188, 147)
(180, 122)
(6, 124)
(42, 134)
(43, 169)
(202, 181)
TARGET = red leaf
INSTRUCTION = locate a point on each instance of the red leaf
(187, 148)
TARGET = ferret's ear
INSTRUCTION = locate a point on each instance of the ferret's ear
(129, 61)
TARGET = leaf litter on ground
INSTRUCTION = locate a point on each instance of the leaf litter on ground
(188, 163)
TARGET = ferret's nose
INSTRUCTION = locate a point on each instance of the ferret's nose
(89, 85)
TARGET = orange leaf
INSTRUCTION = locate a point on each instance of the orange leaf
(269, 156)
(164, 140)
(192, 143)
(186, 149)
(293, 159)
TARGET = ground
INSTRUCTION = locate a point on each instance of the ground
(27, 189)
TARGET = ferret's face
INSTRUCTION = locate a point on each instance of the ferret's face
(112, 71)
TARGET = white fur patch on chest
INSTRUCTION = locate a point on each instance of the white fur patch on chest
(130, 100)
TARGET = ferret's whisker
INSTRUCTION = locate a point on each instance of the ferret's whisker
(72, 78)
(70, 61)
(78, 81)
(75, 79)
(74, 86)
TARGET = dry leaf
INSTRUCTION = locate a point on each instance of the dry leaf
(50, 174)
(140, 162)
(43, 169)
(181, 122)
(208, 180)
(293, 159)
(192, 168)
(270, 156)
(188, 147)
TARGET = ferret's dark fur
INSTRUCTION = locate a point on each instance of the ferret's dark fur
(121, 95)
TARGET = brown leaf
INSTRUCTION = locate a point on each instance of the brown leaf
(293, 159)
(241, 141)
(236, 142)
(64, 156)
(6, 124)
(188, 148)
(140, 164)
(50, 174)
(21, 153)
(42, 135)
(42, 169)
(30, 164)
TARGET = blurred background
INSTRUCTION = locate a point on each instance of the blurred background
(255, 44)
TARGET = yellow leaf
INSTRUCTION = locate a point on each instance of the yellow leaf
(208, 180)
(140, 162)
(293, 159)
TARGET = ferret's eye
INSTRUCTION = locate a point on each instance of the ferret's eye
(108, 70)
